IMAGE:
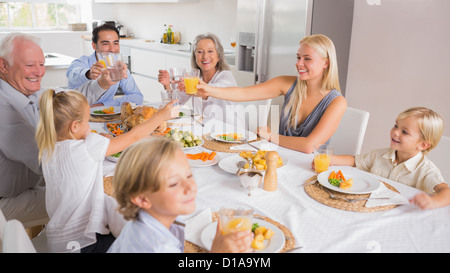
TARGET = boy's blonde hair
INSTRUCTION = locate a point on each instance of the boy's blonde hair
(325, 48)
(141, 168)
(431, 124)
(57, 112)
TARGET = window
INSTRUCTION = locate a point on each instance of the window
(40, 14)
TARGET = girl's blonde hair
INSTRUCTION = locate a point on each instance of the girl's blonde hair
(57, 112)
(142, 167)
(431, 125)
(325, 48)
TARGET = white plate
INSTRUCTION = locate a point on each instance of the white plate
(116, 110)
(112, 158)
(229, 164)
(273, 245)
(248, 135)
(201, 163)
(362, 182)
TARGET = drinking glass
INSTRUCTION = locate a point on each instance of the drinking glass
(113, 62)
(250, 179)
(234, 219)
(176, 76)
(170, 95)
(322, 157)
(191, 80)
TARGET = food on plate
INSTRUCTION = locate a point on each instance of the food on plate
(259, 159)
(261, 233)
(132, 117)
(230, 136)
(204, 156)
(115, 128)
(185, 138)
(181, 114)
(117, 155)
(94, 131)
(337, 179)
(109, 110)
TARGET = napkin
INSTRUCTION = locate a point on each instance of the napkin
(262, 145)
(195, 225)
(383, 191)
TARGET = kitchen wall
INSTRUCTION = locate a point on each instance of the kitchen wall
(399, 57)
(147, 21)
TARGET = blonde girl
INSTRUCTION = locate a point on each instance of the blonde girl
(81, 215)
(153, 185)
(416, 131)
(313, 105)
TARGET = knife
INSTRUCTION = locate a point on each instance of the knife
(192, 116)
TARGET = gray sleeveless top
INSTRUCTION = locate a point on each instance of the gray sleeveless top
(304, 129)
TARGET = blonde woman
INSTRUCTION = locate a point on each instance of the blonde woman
(71, 156)
(416, 132)
(153, 184)
(313, 105)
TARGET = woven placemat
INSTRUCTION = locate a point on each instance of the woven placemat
(109, 118)
(317, 192)
(288, 244)
(107, 185)
(220, 146)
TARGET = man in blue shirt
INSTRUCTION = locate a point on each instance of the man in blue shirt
(105, 38)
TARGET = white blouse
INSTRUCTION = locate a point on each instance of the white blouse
(75, 200)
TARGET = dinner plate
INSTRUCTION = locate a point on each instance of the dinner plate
(250, 136)
(98, 108)
(201, 163)
(362, 182)
(273, 245)
(112, 158)
(229, 164)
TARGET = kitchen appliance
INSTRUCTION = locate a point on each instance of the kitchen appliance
(269, 32)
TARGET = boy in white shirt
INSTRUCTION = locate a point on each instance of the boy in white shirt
(416, 131)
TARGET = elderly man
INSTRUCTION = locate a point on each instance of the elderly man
(105, 38)
(22, 67)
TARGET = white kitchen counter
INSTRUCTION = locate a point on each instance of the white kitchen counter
(57, 61)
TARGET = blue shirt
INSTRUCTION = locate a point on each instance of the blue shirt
(77, 76)
(148, 235)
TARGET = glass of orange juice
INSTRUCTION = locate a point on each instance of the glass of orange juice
(191, 80)
(236, 219)
(322, 157)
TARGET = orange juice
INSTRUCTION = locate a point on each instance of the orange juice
(102, 62)
(237, 224)
(191, 84)
(321, 162)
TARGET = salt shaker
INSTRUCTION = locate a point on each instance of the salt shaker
(270, 178)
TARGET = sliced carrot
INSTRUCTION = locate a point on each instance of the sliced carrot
(332, 175)
(212, 155)
(341, 176)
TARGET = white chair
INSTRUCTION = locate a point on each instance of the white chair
(439, 156)
(255, 113)
(15, 238)
(348, 138)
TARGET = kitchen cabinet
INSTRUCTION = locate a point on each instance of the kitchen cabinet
(145, 66)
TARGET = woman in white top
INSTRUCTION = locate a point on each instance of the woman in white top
(82, 217)
(208, 56)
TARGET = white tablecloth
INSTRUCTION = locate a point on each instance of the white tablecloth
(317, 227)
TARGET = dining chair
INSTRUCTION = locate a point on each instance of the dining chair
(256, 113)
(15, 239)
(439, 156)
(349, 136)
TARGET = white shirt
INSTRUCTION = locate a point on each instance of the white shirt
(418, 171)
(75, 199)
(213, 109)
(148, 235)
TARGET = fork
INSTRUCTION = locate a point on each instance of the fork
(332, 196)
(192, 116)
(244, 140)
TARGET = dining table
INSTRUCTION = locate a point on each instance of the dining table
(316, 222)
